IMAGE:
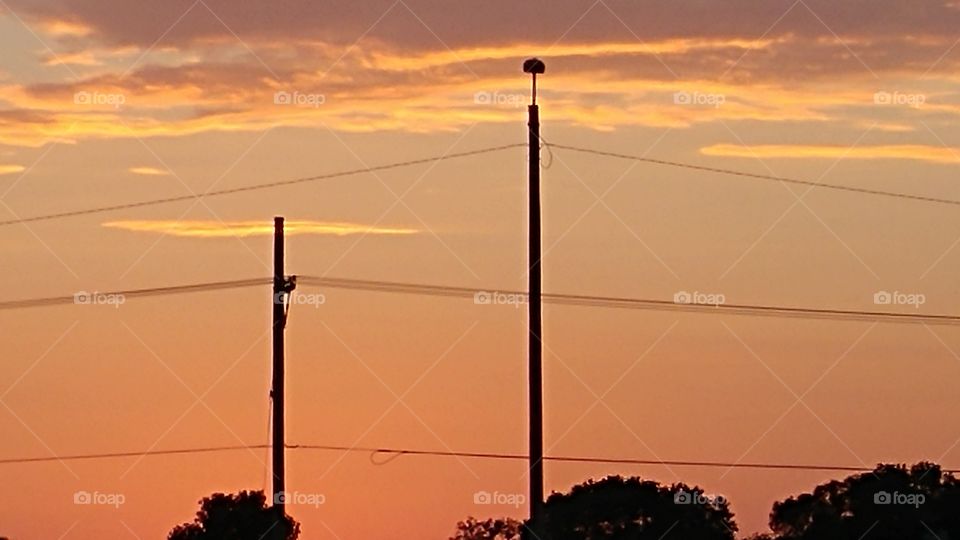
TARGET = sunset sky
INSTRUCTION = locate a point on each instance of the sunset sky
(108, 102)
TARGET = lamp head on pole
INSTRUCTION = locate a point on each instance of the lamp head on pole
(534, 66)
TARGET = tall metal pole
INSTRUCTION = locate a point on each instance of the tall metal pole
(280, 289)
(535, 375)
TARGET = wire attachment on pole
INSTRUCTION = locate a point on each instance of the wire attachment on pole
(287, 287)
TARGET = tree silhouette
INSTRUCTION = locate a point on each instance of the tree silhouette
(617, 508)
(892, 502)
(244, 516)
(491, 529)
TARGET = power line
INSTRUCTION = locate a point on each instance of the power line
(115, 455)
(88, 297)
(491, 295)
(267, 185)
(257, 187)
(484, 295)
(773, 178)
(397, 452)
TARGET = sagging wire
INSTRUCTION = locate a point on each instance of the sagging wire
(394, 455)
(544, 145)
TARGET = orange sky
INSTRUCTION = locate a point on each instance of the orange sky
(105, 102)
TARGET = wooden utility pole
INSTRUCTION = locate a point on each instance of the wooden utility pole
(282, 286)
(535, 66)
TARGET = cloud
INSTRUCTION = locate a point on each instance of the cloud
(935, 154)
(446, 57)
(429, 24)
(148, 171)
(201, 77)
(11, 169)
(61, 27)
(82, 58)
(600, 90)
(216, 229)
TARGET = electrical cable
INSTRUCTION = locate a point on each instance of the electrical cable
(865, 191)
(85, 297)
(440, 453)
(492, 295)
(256, 187)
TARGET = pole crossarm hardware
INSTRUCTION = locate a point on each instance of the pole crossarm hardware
(286, 287)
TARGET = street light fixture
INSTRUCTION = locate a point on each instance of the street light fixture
(535, 66)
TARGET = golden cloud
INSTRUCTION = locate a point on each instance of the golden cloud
(935, 154)
(609, 85)
(670, 46)
(148, 171)
(66, 28)
(84, 58)
(428, 106)
(217, 229)
(11, 169)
